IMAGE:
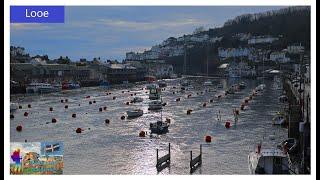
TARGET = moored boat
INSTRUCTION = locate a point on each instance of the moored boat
(137, 99)
(154, 93)
(41, 88)
(155, 105)
(159, 127)
(268, 161)
(135, 113)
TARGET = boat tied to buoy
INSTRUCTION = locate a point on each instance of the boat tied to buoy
(135, 113)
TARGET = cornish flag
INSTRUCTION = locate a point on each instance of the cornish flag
(50, 148)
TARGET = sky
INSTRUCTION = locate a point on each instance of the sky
(109, 32)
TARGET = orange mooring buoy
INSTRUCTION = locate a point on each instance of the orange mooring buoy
(29, 105)
(211, 101)
(61, 101)
(50, 109)
(105, 108)
(87, 97)
(66, 106)
(178, 99)
(107, 121)
(78, 130)
(66, 100)
(189, 111)
(142, 134)
(26, 114)
(94, 101)
(122, 117)
(74, 115)
(113, 97)
(19, 128)
(208, 139)
(228, 124)
(127, 103)
(100, 109)
(20, 107)
(236, 111)
(11, 116)
(204, 104)
(90, 102)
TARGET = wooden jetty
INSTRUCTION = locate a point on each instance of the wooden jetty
(163, 161)
(196, 162)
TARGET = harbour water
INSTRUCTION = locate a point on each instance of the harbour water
(116, 148)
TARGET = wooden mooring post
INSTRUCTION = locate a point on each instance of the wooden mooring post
(163, 161)
(196, 162)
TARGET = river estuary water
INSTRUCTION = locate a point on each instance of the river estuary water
(116, 148)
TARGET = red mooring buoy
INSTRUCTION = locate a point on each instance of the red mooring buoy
(208, 139)
(19, 128)
(228, 124)
(142, 134)
(78, 130)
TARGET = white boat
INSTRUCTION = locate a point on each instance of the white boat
(268, 161)
(242, 85)
(135, 113)
(155, 105)
(159, 127)
(261, 87)
(219, 86)
(154, 93)
(41, 88)
(279, 119)
(290, 145)
(162, 84)
(137, 99)
(13, 107)
(207, 83)
(185, 83)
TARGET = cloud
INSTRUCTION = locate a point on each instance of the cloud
(30, 26)
(151, 25)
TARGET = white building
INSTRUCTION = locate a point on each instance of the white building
(295, 49)
(279, 56)
(233, 52)
(199, 38)
(262, 39)
(38, 60)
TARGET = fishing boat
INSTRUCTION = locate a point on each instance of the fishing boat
(155, 105)
(13, 107)
(290, 145)
(70, 85)
(162, 84)
(104, 84)
(137, 99)
(159, 127)
(219, 86)
(135, 113)
(268, 161)
(231, 90)
(151, 86)
(185, 83)
(242, 85)
(283, 98)
(279, 119)
(154, 93)
(41, 88)
(207, 83)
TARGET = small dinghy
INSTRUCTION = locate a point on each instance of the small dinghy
(134, 113)
(137, 99)
(290, 145)
(279, 119)
(155, 105)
